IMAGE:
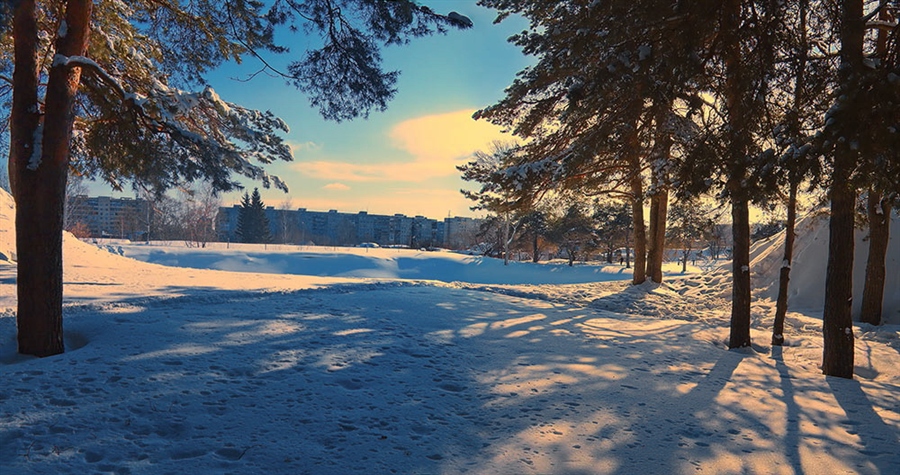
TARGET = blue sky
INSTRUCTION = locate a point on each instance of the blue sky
(402, 160)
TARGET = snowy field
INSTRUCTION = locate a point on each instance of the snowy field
(345, 362)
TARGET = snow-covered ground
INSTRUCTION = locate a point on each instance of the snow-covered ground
(355, 368)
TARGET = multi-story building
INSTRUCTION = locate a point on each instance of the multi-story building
(122, 218)
(332, 228)
(461, 233)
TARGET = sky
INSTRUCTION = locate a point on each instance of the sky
(401, 160)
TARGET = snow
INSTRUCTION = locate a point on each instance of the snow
(810, 262)
(37, 150)
(189, 370)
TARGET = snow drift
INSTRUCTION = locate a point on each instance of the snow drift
(807, 284)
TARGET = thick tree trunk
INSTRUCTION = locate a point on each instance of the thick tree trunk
(879, 211)
(785, 276)
(40, 185)
(535, 255)
(837, 324)
(659, 204)
(837, 318)
(740, 296)
(659, 199)
(25, 113)
(739, 142)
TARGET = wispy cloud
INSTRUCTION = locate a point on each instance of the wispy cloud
(300, 147)
(336, 187)
(436, 143)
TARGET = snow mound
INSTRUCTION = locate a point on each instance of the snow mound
(7, 227)
(371, 263)
(807, 284)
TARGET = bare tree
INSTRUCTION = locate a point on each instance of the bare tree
(201, 206)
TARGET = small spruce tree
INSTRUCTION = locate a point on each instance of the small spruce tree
(253, 224)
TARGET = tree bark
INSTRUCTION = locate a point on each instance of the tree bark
(40, 191)
(837, 320)
(636, 183)
(795, 176)
(879, 211)
(738, 148)
(739, 336)
(659, 199)
(659, 203)
(785, 275)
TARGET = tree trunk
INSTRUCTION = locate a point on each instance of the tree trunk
(837, 319)
(659, 199)
(740, 294)
(795, 176)
(879, 211)
(739, 142)
(785, 276)
(534, 246)
(659, 203)
(640, 231)
(506, 239)
(40, 186)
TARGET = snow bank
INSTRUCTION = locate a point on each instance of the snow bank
(376, 263)
(807, 284)
(7, 226)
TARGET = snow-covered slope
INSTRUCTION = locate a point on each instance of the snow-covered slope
(807, 284)
(377, 263)
(7, 226)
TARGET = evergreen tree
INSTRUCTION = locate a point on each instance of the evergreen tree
(881, 197)
(599, 106)
(574, 232)
(253, 223)
(613, 223)
(534, 227)
(861, 140)
(118, 91)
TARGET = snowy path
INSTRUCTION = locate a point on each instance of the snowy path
(409, 378)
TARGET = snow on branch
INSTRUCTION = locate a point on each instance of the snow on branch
(219, 136)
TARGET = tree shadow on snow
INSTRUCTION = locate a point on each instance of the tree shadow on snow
(386, 378)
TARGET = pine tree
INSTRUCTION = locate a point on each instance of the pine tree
(861, 139)
(133, 124)
(880, 198)
(584, 133)
(802, 85)
(574, 232)
(253, 223)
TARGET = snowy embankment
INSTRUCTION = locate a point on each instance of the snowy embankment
(380, 263)
(810, 263)
(172, 370)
